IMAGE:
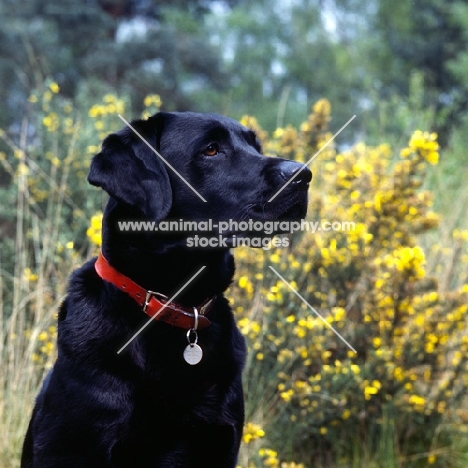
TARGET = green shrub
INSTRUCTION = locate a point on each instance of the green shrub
(400, 396)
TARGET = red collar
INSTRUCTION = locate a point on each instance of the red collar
(155, 304)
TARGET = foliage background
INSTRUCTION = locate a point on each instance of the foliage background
(395, 287)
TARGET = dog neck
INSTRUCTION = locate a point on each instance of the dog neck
(164, 263)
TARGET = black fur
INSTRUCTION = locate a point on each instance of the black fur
(146, 407)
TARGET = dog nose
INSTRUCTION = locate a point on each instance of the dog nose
(301, 173)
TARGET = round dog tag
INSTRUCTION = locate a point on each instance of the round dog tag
(193, 354)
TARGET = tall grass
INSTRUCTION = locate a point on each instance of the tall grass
(30, 297)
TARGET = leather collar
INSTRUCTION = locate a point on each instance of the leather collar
(154, 304)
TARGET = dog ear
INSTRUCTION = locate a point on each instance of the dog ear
(131, 172)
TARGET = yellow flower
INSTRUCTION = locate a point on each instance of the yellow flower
(29, 275)
(51, 122)
(109, 98)
(243, 282)
(152, 99)
(23, 169)
(417, 400)
(371, 389)
(278, 133)
(286, 396)
(322, 106)
(94, 230)
(252, 432)
(378, 204)
(407, 259)
(270, 457)
(93, 149)
(305, 127)
(54, 87)
(96, 221)
(95, 111)
(275, 258)
(423, 144)
(346, 414)
(432, 158)
(42, 336)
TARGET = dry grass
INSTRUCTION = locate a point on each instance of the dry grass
(30, 298)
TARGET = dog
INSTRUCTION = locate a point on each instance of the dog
(166, 393)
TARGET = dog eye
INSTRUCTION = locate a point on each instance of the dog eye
(211, 150)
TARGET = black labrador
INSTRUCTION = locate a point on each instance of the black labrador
(168, 395)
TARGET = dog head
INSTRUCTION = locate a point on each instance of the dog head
(198, 167)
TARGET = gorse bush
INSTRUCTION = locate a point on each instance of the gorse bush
(317, 401)
(379, 375)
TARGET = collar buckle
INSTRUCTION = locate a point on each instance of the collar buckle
(157, 295)
(149, 295)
